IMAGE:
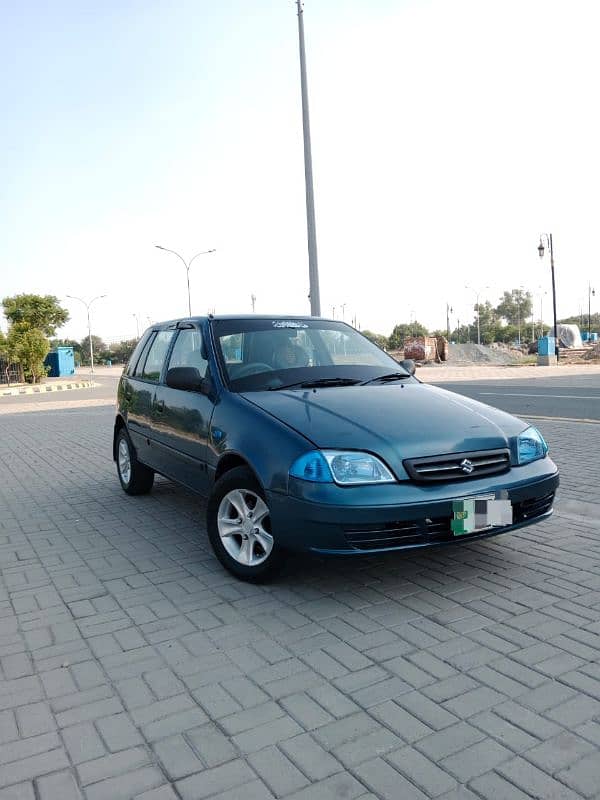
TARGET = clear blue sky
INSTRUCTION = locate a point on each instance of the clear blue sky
(446, 137)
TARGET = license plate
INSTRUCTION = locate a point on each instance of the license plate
(480, 513)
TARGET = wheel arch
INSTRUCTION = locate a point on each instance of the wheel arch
(119, 425)
(230, 461)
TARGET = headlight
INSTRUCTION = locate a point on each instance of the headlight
(312, 467)
(343, 467)
(531, 445)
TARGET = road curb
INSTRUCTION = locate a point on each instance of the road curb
(15, 391)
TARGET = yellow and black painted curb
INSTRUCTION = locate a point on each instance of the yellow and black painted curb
(42, 388)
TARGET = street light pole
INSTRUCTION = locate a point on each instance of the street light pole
(548, 238)
(591, 292)
(311, 227)
(187, 265)
(87, 306)
(449, 310)
(253, 299)
(477, 293)
(519, 297)
(137, 325)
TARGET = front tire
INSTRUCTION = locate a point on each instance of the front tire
(239, 527)
(135, 478)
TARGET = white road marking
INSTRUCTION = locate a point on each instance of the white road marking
(541, 394)
(559, 419)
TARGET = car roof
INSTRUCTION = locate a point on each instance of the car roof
(173, 323)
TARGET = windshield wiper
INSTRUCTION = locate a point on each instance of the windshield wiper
(318, 382)
(392, 376)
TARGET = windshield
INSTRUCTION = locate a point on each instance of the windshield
(269, 354)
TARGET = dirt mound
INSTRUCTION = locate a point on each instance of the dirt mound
(481, 354)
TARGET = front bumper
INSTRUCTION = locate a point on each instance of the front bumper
(325, 518)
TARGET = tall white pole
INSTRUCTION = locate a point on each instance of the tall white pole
(87, 306)
(187, 265)
(313, 267)
(91, 344)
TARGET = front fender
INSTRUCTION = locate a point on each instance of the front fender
(242, 430)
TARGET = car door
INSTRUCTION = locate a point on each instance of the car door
(136, 398)
(142, 402)
(181, 418)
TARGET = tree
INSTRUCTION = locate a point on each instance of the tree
(507, 334)
(404, 330)
(515, 306)
(582, 320)
(97, 344)
(40, 312)
(488, 322)
(377, 338)
(120, 352)
(29, 347)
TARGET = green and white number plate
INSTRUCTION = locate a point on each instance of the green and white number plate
(480, 513)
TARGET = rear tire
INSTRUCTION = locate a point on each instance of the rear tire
(239, 527)
(135, 478)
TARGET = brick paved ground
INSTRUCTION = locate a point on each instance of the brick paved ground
(132, 666)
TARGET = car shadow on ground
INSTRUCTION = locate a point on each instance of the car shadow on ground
(429, 568)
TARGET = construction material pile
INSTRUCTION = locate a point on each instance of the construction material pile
(593, 354)
(426, 348)
(481, 354)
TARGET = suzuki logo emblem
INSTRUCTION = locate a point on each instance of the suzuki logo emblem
(466, 466)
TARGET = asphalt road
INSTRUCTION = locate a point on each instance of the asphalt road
(575, 397)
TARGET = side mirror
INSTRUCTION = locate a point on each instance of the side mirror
(188, 379)
(409, 365)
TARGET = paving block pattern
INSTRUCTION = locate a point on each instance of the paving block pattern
(133, 666)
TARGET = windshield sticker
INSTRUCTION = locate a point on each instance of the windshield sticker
(284, 323)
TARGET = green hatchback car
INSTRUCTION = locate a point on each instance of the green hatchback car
(305, 436)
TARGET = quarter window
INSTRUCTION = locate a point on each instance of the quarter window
(139, 367)
(135, 356)
(156, 356)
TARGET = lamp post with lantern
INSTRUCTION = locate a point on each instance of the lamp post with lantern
(548, 238)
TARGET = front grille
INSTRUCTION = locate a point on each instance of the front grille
(458, 466)
(397, 534)
(432, 530)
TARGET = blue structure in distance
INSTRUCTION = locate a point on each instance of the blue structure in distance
(61, 362)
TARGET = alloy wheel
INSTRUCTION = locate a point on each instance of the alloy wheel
(243, 523)
(124, 457)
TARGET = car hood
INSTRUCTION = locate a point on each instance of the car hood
(393, 421)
